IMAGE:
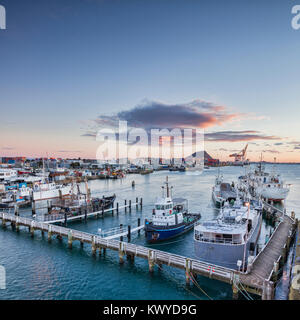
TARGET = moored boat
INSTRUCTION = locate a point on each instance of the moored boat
(231, 239)
(222, 192)
(170, 218)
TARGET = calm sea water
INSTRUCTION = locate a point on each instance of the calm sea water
(36, 269)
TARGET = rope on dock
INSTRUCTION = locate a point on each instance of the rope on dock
(198, 286)
(180, 284)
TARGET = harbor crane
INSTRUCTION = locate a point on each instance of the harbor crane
(240, 156)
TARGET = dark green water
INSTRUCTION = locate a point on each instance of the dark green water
(38, 270)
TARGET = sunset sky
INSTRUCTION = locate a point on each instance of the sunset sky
(71, 67)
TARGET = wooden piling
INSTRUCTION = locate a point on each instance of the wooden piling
(187, 271)
(49, 234)
(94, 247)
(130, 205)
(129, 233)
(121, 253)
(151, 260)
(117, 207)
(33, 207)
(136, 203)
(235, 292)
(70, 239)
(121, 226)
(139, 224)
(141, 203)
(32, 229)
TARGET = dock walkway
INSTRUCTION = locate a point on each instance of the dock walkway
(257, 279)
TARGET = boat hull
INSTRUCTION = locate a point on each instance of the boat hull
(274, 194)
(218, 201)
(161, 233)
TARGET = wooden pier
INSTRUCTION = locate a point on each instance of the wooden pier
(260, 277)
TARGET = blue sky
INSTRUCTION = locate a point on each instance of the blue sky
(64, 63)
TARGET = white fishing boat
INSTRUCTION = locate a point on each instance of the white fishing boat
(222, 192)
(231, 239)
(46, 191)
(267, 185)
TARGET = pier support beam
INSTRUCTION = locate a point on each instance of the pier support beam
(70, 239)
(3, 223)
(235, 292)
(268, 290)
(49, 234)
(94, 247)
(32, 229)
(275, 271)
(121, 253)
(141, 203)
(151, 260)
(187, 271)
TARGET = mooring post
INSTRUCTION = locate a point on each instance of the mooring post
(32, 229)
(49, 233)
(283, 253)
(187, 271)
(117, 207)
(293, 215)
(125, 205)
(268, 290)
(17, 210)
(136, 203)
(235, 290)
(151, 260)
(66, 219)
(94, 247)
(33, 207)
(17, 225)
(275, 271)
(139, 224)
(70, 239)
(141, 203)
(121, 229)
(129, 233)
(85, 213)
(3, 221)
(129, 205)
(121, 253)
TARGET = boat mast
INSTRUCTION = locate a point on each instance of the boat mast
(167, 184)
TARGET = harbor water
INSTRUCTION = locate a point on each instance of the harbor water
(36, 269)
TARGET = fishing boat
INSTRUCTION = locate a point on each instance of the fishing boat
(268, 185)
(222, 192)
(170, 217)
(231, 239)
(78, 206)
